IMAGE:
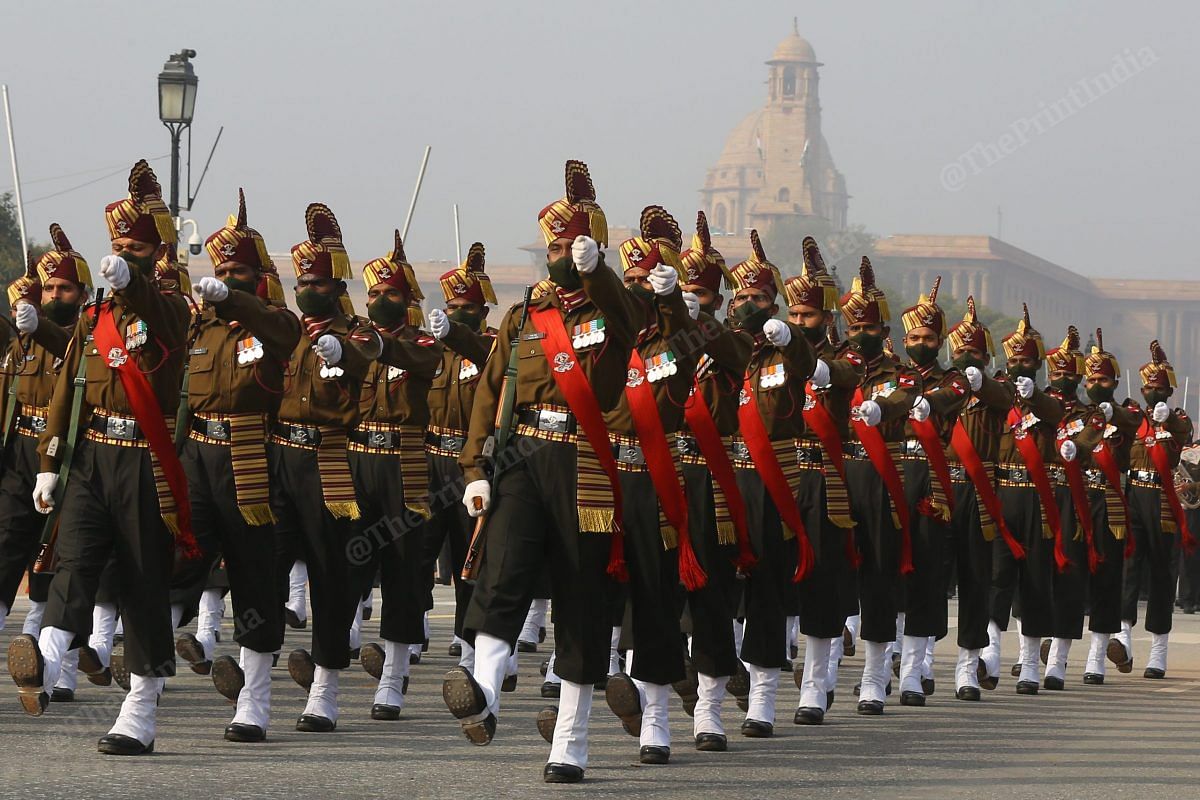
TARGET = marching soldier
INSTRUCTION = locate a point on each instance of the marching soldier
(126, 491)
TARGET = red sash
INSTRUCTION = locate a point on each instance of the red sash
(935, 451)
(872, 441)
(763, 455)
(1083, 509)
(564, 367)
(149, 416)
(702, 425)
(818, 418)
(977, 472)
(1162, 463)
(1103, 455)
(1027, 446)
(661, 465)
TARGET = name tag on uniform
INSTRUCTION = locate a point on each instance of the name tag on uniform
(661, 366)
(533, 337)
(396, 374)
(884, 389)
(772, 376)
(197, 351)
(136, 334)
(588, 333)
(467, 369)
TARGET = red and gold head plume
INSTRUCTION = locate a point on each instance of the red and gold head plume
(395, 271)
(814, 286)
(1066, 356)
(702, 264)
(237, 241)
(1025, 341)
(757, 272)
(577, 214)
(1100, 363)
(971, 332)
(469, 281)
(143, 216)
(659, 242)
(926, 313)
(865, 302)
(28, 287)
(62, 261)
(1158, 371)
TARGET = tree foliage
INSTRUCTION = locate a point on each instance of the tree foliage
(12, 261)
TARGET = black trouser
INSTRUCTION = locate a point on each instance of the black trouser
(110, 506)
(450, 523)
(533, 520)
(390, 539)
(768, 593)
(306, 531)
(1104, 595)
(1071, 584)
(1032, 577)
(828, 594)
(20, 523)
(1156, 549)
(710, 609)
(248, 550)
(973, 564)
(879, 547)
(925, 605)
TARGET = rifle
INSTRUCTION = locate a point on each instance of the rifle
(504, 420)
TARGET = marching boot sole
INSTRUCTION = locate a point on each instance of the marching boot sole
(293, 620)
(1119, 655)
(547, 718)
(465, 699)
(623, 699)
(372, 657)
(302, 668)
(228, 678)
(1044, 652)
(120, 674)
(188, 648)
(27, 667)
(89, 665)
(482, 732)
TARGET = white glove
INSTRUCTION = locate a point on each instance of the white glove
(820, 376)
(693, 304)
(663, 279)
(974, 377)
(43, 491)
(329, 349)
(115, 271)
(777, 332)
(439, 323)
(1160, 412)
(211, 290)
(26, 317)
(585, 254)
(1024, 387)
(1067, 450)
(869, 412)
(920, 410)
(477, 490)
(1107, 408)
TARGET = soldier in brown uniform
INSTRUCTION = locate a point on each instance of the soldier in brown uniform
(126, 491)
(881, 403)
(312, 495)
(1159, 525)
(237, 355)
(467, 342)
(391, 477)
(770, 417)
(942, 395)
(828, 595)
(555, 495)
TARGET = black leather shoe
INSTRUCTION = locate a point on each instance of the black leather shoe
(61, 694)
(116, 744)
(293, 619)
(302, 668)
(912, 699)
(414, 658)
(1053, 684)
(372, 657)
(188, 648)
(653, 754)
(547, 718)
(480, 733)
(562, 773)
(1027, 687)
(787, 666)
(545, 667)
(1155, 673)
(551, 690)
(355, 653)
(712, 743)
(454, 650)
(928, 685)
(509, 684)
(1093, 679)
(967, 693)
(26, 665)
(830, 696)
(755, 729)
(385, 712)
(313, 723)
(809, 715)
(228, 677)
(870, 708)
(623, 698)
(541, 634)
(241, 732)
(526, 647)
(89, 664)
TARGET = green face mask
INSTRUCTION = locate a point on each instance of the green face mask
(314, 304)
(1022, 372)
(1067, 386)
(868, 345)
(964, 361)
(250, 287)
(642, 293)
(1155, 396)
(464, 317)
(387, 313)
(145, 265)
(564, 274)
(709, 308)
(750, 318)
(814, 335)
(921, 354)
(59, 312)
(1101, 394)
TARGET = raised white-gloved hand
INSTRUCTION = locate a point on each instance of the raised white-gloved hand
(43, 491)
(820, 376)
(974, 377)
(115, 271)
(663, 279)
(777, 332)
(693, 304)
(329, 349)
(26, 317)
(1067, 450)
(869, 412)
(1107, 408)
(585, 254)
(1024, 387)
(439, 323)
(477, 497)
(920, 410)
(211, 290)
(1160, 412)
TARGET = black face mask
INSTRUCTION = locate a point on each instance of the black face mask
(1100, 394)
(815, 335)
(463, 317)
(1067, 386)
(921, 354)
(962, 362)
(869, 345)
(314, 304)
(1155, 396)
(750, 318)
(144, 264)
(564, 274)
(387, 313)
(642, 293)
(1022, 372)
(59, 312)
(234, 284)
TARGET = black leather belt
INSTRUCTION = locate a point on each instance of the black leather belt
(123, 428)
(545, 419)
(303, 435)
(912, 448)
(1014, 474)
(212, 428)
(855, 450)
(442, 441)
(30, 423)
(1145, 476)
(380, 440)
(688, 446)
(806, 454)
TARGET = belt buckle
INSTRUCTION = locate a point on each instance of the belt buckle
(687, 446)
(298, 435)
(630, 454)
(381, 439)
(804, 456)
(215, 429)
(37, 424)
(913, 447)
(454, 443)
(553, 421)
(119, 428)
(740, 451)
(958, 472)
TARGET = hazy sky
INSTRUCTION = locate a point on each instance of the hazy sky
(335, 102)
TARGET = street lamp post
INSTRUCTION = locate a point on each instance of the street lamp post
(176, 104)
